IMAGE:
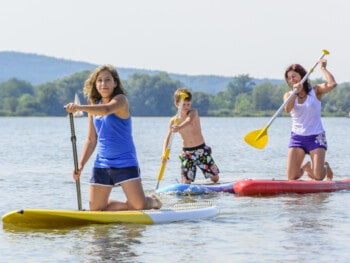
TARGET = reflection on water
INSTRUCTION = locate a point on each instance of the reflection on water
(110, 243)
(305, 212)
(97, 243)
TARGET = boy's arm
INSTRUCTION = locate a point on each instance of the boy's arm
(192, 114)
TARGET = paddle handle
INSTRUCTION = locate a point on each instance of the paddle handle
(325, 52)
(75, 158)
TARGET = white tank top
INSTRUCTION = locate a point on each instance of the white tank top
(306, 117)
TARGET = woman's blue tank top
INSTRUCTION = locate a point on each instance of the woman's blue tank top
(115, 142)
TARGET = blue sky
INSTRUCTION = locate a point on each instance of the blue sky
(194, 37)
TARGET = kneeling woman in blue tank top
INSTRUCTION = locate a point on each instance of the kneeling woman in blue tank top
(110, 130)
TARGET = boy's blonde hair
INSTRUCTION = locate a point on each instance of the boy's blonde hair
(177, 95)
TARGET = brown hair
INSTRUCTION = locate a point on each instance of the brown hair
(302, 72)
(90, 90)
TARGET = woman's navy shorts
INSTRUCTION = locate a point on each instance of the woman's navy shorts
(114, 176)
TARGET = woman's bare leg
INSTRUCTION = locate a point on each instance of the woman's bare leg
(98, 197)
(306, 167)
(329, 172)
(136, 199)
(318, 163)
(294, 161)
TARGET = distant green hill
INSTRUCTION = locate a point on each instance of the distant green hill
(38, 69)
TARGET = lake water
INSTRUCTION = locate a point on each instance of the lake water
(36, 162)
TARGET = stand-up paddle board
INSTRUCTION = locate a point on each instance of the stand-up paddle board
(197, 188)
(271, 187)
(41, 218)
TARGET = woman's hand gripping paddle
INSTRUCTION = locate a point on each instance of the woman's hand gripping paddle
(258, 138)
(168, 147)
(75, 157)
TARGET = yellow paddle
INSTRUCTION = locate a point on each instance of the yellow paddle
(168, 147)
(258, 138)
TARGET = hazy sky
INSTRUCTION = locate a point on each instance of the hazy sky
(218, 37)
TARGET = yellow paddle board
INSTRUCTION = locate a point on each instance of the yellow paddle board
(43, 218)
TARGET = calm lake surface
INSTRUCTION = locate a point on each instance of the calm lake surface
(36, 162)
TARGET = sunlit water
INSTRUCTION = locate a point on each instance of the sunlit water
(36, 162)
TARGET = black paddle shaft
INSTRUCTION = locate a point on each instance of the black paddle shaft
(75, 157)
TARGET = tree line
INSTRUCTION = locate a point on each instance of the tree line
(153, 96)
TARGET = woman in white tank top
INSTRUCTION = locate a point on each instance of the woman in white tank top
(308, 135)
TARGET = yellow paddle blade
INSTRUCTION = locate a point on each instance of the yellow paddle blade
(325, 52)
(162, 168)
(257, 138)
(183, 96)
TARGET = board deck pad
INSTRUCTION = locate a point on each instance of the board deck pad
(45, 218)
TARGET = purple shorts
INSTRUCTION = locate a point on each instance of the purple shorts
(308, 143)
(114, 176)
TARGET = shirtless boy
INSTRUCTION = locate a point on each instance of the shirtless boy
(194, 152)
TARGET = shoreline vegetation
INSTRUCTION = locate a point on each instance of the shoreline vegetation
(152, 96)
(150, 93)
